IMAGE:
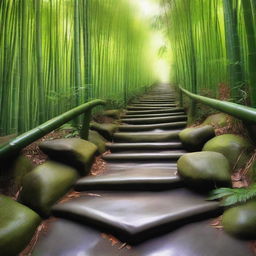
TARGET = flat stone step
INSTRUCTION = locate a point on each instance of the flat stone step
(148, 107)
(155, 111)
(150, 146)
(196, 239)
(154, 120)
(121, 166)
(132, 179)
(133, 215)
(147, 127)
(137, 156)
(146, 136)
(154, 105)
(154, 102)
(153, 115)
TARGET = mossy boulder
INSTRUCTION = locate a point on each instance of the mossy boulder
(194, 138)
(107, 130)
(217, 120)
(97, 140)
(12, 172)
(113, 113)
(234, 147)
(204, 170)
(45, 185)
(75, 152)
(240, 221)
(17, 226)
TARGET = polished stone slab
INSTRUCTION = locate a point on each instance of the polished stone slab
(148, 127)
(155, 136)
(67, 238)
(147, 178)
(154, 111)
(134, 216)
(153, 115)
(120, 166)
(131, 107)
(151, 156)
(154, 120)
(117, 147)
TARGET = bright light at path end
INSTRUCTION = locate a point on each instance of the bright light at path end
(147, 8)
(162, 70)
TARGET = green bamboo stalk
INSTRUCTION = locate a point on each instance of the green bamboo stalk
(251, 42)
(38, 32)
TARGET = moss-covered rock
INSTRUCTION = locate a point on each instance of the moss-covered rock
(204, 170)
(217, 120)
(114, 113)
(194, 138)
(240, 221)
(234, 147)
(105, 129)
(45, 185)
(97, 140)
(75, 152)
(12, 172)
(17, 226)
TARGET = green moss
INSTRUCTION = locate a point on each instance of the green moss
(240, 221)
(45, 185)
(234, 147)
(114, 113)
(217, 120)
(12, 172)
(17, 226)
(204, 170)
(194, 138)
(97, 140)
(106, 130)
(75, 152)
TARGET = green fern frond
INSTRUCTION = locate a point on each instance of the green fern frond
(231, 196)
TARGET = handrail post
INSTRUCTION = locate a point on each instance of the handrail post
(180, 98)
(84, 132)
(192, 111)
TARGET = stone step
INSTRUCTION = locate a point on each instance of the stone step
(144, 146)
(146, 136)
(154, 105)
(153, 102)
(142, 156)
(155, 111)
(147, 127)
(131, 107)
(195, 239)
(154, 120)
(149, 178)
(153, 115)
(132, 216)
(121, 166)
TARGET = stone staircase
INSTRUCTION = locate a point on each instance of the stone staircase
(140, 199)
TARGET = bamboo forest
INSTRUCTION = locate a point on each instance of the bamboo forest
(127, 127)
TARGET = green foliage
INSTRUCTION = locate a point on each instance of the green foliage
(231, 196)
(213, 42)
(56, 54)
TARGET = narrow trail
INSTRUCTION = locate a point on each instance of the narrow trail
(140, 199)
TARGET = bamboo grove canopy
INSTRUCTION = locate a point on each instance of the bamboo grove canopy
(57, 54)
(213, 46)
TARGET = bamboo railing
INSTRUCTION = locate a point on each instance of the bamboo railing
(15, 145)
(241, 112)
